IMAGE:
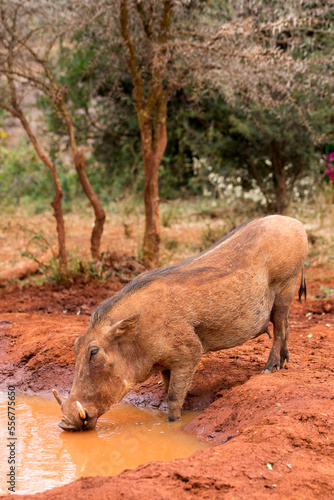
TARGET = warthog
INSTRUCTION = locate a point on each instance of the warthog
(165, 319)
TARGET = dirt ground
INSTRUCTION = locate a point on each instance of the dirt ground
(272, 435)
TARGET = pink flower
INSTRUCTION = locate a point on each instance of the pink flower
(330, 166)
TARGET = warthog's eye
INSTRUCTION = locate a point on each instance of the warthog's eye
(94, 351)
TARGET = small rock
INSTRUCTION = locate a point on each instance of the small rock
(5, 323)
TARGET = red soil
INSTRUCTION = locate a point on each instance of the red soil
(272, 435)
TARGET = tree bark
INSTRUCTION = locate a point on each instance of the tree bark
(151, 199)
(58, 214)
(279, 178)
(100, 216)
(153, 151)
(79, 162)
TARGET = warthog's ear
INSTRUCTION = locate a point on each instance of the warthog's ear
(126, 328)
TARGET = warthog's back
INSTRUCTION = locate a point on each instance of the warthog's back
(274, 244)
(259, 253)
(225, 293)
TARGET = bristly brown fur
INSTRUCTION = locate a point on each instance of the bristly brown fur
(147, 277)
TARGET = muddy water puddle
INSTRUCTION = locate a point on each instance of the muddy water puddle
(124, 438)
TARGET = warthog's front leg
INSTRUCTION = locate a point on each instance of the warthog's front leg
(181, 369)
(179, 384)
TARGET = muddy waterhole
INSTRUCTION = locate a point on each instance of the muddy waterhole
(124, 438)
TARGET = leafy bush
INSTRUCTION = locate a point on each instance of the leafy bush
(22, 175)
(24, 178)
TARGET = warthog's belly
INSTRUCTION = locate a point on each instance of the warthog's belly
(229, 327)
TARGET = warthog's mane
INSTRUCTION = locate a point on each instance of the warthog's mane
(147, 277)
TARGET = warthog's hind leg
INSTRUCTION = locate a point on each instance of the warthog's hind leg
(279, 351)
(280, 319)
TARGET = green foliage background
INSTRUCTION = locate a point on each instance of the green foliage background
(209, 139)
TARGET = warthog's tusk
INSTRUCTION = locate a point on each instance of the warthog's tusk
(82, 412)
(127, 386)
(58, 398)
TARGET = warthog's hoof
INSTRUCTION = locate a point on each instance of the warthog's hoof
(268, 370)
(173, 419)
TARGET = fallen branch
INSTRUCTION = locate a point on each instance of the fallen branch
(23, 269)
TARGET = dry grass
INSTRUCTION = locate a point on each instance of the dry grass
(187, 227)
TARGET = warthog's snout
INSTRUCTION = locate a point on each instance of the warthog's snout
(86, 425)
(66, 426)
(75, 417)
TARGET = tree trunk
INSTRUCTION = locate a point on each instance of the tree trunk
(57, 201)
(153, 151)
(153, 133)
(279, 178)
(58, 214)
(79, 162)
(100, 216)
(151, 199)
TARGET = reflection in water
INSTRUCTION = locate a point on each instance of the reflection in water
(124, 438)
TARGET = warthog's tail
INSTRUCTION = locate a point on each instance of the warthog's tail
(302, 288)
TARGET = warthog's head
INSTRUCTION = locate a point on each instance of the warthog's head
(103, 372)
